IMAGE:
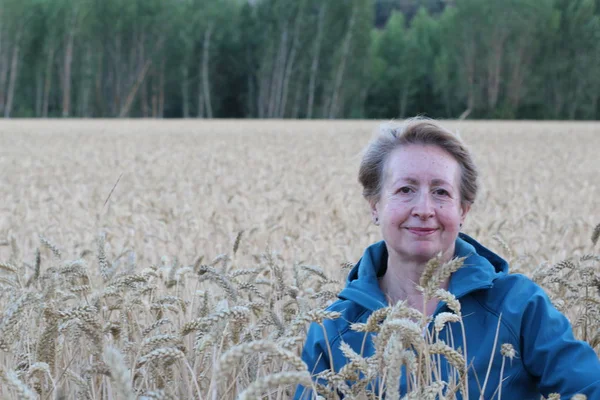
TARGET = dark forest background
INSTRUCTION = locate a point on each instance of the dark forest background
(533, 59)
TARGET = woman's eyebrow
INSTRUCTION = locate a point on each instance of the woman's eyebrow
(414, 181)
(410, 180)
(438, 181)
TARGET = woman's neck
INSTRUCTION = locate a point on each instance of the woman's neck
(400, 283)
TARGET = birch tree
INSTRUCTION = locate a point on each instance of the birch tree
(314, 67)
(72, 19)
(16, 16)
(339, 74)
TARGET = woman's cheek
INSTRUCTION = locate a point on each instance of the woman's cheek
(397, 211)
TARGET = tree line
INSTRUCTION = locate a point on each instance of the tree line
(534, 59)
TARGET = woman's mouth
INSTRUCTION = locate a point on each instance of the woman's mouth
(422, 231)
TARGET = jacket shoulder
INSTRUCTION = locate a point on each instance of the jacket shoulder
(513, 289)
(509, 297)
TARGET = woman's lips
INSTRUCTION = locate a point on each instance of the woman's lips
(421, 231)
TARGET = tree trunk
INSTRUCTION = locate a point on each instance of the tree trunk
(144, 99)
(558, 96)
(469, 66)
(262, 103)
(14, 69)
(281, 104)
(326, 101)
(133, 91)
(133, 64)
(161, 90)
(117, 71)
(315, 62)
(205, 71)
(296, 106)
(154, 100)
(185, 91)
(495, 68)
(66, 109)
(264, 82)
(518, 76)
(574, 104)
(144, 85)
(48, 77)
(595, 89)
(594, 106)
(336, 94)
(277, 75)
(86, 84)
(39, 90)
(200, 105)
(363, 100)
(289, 67)
(3, 61)
(99, 106)
(200, 113)
(250, 106)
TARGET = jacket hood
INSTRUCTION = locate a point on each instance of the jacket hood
(480, 269)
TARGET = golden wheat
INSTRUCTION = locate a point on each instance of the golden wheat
(221, 241)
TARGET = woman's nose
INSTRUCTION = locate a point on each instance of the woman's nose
(424, 207)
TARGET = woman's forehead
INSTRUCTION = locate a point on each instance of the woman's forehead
(416, 163)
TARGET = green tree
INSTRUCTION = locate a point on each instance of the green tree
(300, 58)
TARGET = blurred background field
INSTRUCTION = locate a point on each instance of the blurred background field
(187, 188)
(121, 238)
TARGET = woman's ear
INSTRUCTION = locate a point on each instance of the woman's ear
(374, 212)
(464, 210)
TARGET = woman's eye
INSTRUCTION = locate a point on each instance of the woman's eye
(404, 190)
(442, 192)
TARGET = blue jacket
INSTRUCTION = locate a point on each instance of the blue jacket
(548, 360)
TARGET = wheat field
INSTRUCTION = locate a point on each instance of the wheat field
(184, 259)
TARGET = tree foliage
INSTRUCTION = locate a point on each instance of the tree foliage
(300, 58)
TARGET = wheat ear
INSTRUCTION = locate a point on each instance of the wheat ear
(120, 374)
(256, 389)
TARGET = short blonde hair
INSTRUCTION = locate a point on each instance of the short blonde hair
(415, 131)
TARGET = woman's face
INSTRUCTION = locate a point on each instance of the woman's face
(419, 208)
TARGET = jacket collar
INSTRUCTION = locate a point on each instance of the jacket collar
(480, 269)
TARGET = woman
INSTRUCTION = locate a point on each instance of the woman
(420, 182)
